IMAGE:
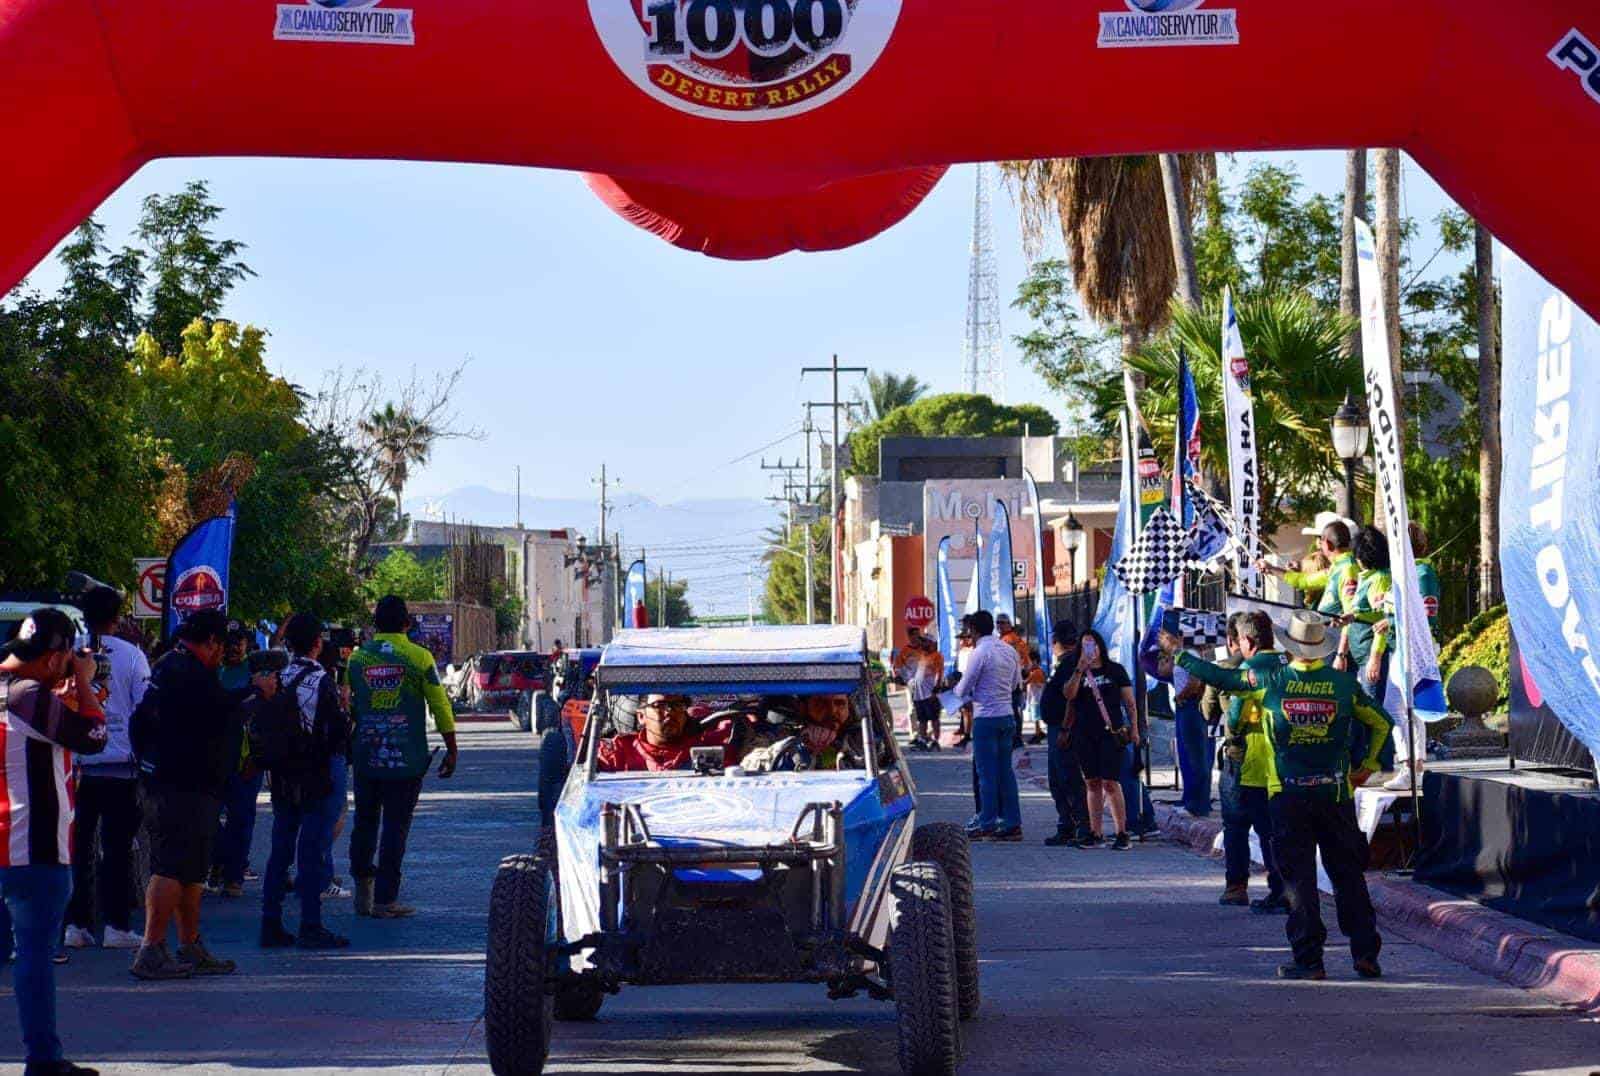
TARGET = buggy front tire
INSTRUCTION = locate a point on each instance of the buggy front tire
(946, 844)
(922, 963)
(517, 1010)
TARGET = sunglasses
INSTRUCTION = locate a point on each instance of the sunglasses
(667, 707)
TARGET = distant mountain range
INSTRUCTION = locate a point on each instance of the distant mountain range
(708, 541)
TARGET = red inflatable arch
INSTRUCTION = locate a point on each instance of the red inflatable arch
(745, 128)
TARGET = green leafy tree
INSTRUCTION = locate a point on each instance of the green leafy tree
(401, 573)
(675, 593)
(783, 599)
(955, 414)
(191, 271)
(76, 470)
(216, 401)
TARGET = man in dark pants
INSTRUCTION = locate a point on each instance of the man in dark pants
(108, 799)
(1066, 778)
(302, 788)
(1311, 708)
(199, 728)
(393, 686)
(1246, 768)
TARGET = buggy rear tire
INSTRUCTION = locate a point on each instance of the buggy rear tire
(546, 713)
(579, 1000)
(522, 712)
(516, 1007)
(923, 969)
(946, 844)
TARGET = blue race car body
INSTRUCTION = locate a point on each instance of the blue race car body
(728, 874)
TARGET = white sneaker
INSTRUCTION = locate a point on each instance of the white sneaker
(78, 938)
(1400, 782)
(121, 939)
(335, 891)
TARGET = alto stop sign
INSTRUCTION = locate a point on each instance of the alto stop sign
(919, 612)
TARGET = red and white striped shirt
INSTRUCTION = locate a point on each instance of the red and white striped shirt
(38, 735)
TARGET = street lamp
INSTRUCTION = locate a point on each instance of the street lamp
(1352, 433)
(1072, 538)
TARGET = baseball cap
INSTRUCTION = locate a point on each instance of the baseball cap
(43, 631)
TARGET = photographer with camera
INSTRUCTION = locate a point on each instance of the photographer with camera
(48, 713)
(187, 732)
(107, 802)
(1101, 723)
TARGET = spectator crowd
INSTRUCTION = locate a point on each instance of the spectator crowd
(104, 751)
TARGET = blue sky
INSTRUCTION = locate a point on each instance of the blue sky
(590, 340)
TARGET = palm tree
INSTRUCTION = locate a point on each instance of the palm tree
(886, 392)
(401, 440)
(1355, 205)
(1299, 374)
(1488, 424)
(1112, 212)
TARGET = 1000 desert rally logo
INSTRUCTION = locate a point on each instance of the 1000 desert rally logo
(744, 59)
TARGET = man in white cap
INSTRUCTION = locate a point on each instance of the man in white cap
(1310, 709)
(1337, 582)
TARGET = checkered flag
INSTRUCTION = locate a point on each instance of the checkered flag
(1210, 539)
(1202, 631)
(1156, 557)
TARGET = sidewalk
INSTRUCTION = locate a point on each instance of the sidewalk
(1557, 966)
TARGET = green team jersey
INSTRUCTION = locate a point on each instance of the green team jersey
(1247, 717)
(1428, 584)
(1310, 710)
(1337, 583)
(393, 685)
(1372, 604)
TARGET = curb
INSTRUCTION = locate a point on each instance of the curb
(1512, 950)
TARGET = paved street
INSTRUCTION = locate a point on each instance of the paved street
(1093, 962)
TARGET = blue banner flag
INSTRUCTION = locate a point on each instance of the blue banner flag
(1116, 619)
(635, 610)
(1549, 499)
(1041, 611)
(197, 571)
(1186, 444)
(1002, 584)
(949, 618)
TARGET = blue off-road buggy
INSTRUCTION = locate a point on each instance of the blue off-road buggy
(762, 863)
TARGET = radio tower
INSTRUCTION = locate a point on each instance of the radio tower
(984, 362)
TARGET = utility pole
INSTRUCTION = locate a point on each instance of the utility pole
(805, 520)
(519, 496)
(661, 597)
(834, 589)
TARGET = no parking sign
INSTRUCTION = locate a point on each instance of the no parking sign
(151, 572)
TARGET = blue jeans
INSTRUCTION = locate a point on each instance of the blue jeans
(1194, 758)
(1066, 786)
(339, 770)
(301, 834)
(1243, 809)
(238, 826)
(1000, 806)
(1360, 735)
(34, 901)
(1135, 796)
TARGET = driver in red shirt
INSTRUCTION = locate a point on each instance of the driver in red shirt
(664, 739)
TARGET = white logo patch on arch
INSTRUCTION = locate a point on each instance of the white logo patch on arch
(744, 60)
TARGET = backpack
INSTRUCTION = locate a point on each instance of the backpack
(277, 738)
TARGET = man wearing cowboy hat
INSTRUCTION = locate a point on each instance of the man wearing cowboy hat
(1310, 709)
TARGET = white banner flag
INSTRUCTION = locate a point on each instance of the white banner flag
(1415, 666)
(1243, 478)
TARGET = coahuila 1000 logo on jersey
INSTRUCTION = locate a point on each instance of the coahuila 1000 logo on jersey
(1153, 23)
(360, 22)
(745, 59)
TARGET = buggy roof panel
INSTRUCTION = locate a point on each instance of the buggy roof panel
(794, 659)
